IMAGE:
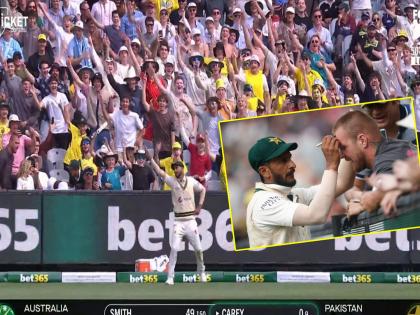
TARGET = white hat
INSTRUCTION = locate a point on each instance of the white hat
(78, 24)
(255, 58)
(13, 117)
(196, 31)
(283, 78)
(237, 10)
(320, 83)
(209, 18)
(136, 41)
(191, 4)
(290, 10)
(123, 48)
(410, 6)
(131, 73)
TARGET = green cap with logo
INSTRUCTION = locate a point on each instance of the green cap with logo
(267, 149)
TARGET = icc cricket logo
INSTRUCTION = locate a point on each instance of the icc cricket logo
(13, 23)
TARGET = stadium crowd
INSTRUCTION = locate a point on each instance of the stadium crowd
(89, 86)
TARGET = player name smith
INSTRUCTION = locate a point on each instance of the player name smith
(343, 308)
(46, 308)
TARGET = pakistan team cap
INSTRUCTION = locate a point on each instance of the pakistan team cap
(267, 149)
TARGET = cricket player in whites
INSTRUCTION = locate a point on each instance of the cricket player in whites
(182, 190)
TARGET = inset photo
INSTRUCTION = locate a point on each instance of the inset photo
(320, 174)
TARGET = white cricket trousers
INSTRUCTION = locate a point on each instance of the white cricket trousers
(188, 229)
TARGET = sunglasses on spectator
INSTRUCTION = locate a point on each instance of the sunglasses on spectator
(375, 20)
(89, 173)
(148, 25)
(391, 49)
(318, 16)
(314, 41)
(216, 12)
(237, 15)
(164, 13)
(417, 84)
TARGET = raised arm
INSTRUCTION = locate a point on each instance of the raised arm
(360, 81)
(179, 54)
(292, 67)
(183, 133)
(95, 21)
(247, 36)
(105, 110)
(161, 173)
(141, 38)
(74, 75)
(161, 87)
(133, 57)
(147, 106)
(318, 209)
(41, 7)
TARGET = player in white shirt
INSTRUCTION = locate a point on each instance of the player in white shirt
(278, 213)
(182, 190)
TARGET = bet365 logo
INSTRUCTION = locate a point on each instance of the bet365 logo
(6, 310)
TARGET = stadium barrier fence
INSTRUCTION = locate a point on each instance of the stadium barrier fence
(212, 276)
(92, 229)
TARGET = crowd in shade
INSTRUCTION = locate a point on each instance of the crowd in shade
(90, 91)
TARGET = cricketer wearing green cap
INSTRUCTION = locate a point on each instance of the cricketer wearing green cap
(278, 213)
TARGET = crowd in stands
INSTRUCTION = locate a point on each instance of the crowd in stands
(89, 91)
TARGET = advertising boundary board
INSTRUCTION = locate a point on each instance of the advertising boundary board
(119, 228)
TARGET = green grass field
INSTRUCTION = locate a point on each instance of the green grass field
(209, 291)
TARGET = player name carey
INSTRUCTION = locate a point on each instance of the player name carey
(46, 308)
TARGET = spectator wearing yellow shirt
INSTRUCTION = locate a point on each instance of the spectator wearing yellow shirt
(252, 100)
(87, 155)
(4, 121)
(256, 78)
(305, 75)
(282, 88)
(78, 129)
(166, 163)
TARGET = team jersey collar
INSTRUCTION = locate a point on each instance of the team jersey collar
(273, 188)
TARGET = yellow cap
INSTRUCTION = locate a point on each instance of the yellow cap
(42, 37)
(176, 145)
(220, 84)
